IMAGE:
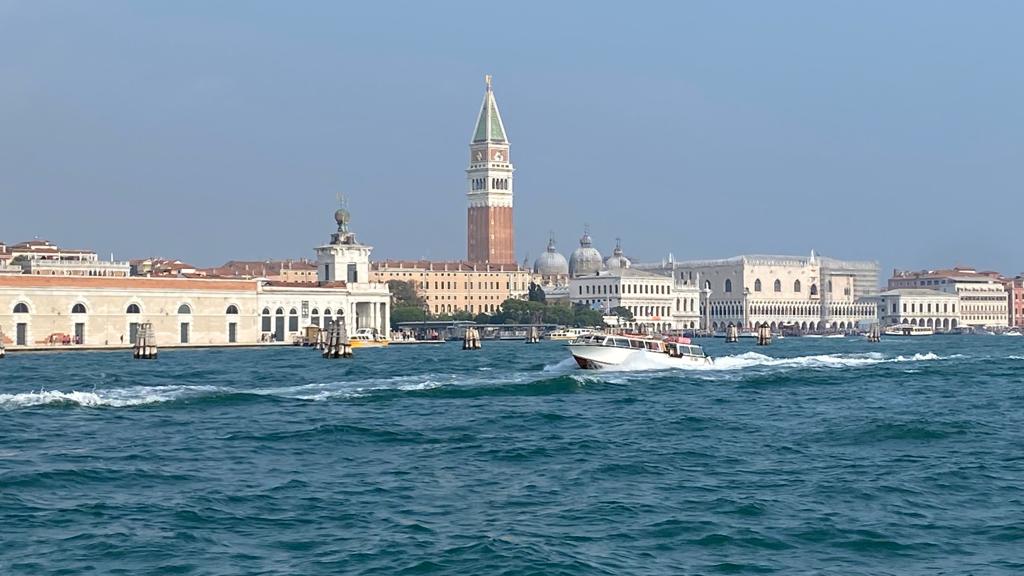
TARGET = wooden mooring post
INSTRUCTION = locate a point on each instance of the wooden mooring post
(732, 334)
(145, 343)
(875, 333)
(337, 345)
(471, 340)
(533, 336)
(764, 335)
(3, 350)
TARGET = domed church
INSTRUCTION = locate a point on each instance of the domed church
(585, 260)
(551, 266)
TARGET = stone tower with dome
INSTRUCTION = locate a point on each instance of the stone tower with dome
(344, 259)
(489, 235)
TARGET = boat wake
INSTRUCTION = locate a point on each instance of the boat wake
(558, 373)
(749, 360)
(113, 397)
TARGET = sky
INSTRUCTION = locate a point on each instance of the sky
(209, 131)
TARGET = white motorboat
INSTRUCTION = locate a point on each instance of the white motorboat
(908, 330)
(568, 333)
(602, 350)
(367, 338)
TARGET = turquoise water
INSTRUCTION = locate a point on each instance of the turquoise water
(810, 456)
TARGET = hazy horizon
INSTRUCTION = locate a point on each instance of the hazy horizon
(211, 132)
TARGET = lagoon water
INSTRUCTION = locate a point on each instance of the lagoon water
(811, 456)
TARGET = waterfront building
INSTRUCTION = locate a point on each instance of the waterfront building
(490, 185)
(449, 287)
(657, 302)
(919, 307)
(1015, 292)
(287, 271)
(984, 300)
(38, 310)
(164, 267)
(808, 294)
(43, 258)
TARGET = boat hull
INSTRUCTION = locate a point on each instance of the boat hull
(368, 343)
(594, 357)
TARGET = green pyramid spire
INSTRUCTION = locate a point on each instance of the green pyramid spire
(488, 123)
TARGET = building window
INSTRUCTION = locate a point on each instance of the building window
(133, 309)
(184, 309)
(757, 285)
(78, 309)
(778, 285)
(21, 308)
(796, 286)
(232, 309)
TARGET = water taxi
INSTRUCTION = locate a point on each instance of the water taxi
(908, 330)
(594, 351)
(367, 338)
(568, 333)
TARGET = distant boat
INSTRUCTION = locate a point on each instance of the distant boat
(908, 330)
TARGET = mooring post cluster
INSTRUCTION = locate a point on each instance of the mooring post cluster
(471, 340)
(764, 335)
(338, 345)
(145, 343)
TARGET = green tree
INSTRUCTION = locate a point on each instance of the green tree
(403, 293)
(622, 312)
(408, 314)
(584, 316)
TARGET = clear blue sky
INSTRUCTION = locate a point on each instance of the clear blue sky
(216, 130)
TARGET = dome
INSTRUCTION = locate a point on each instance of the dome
(617, 260)
(551, 263)
(585, 260)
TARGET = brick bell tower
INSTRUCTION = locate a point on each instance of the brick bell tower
(489, 178)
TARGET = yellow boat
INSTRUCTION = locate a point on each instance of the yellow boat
(367, 338)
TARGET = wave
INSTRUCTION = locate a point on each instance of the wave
(113, 397)
(560, 376)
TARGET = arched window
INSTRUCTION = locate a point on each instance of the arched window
(21, 308)
(796, 286)
(707, 284)
(279, 312)
(757, 285)
(266, 311)
(814, 289)
(133, 309)
(728, 285)
(232, 309)
(184, 309)
(78, 309)
(778, 285)
(327, 311)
